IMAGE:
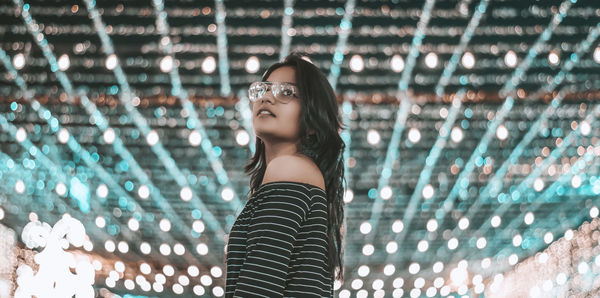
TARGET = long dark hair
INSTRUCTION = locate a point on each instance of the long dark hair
(319, 113)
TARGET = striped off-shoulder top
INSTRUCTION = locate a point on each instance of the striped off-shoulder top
(277, 246)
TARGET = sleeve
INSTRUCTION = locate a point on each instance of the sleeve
(271, 236)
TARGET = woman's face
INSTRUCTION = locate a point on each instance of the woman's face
(285, 124)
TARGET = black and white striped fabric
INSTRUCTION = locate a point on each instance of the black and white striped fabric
(277, 246)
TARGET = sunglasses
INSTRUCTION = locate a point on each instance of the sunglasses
(282, 91)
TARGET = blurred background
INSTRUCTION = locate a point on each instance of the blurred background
(472, 142)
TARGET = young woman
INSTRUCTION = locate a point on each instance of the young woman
(287, 241)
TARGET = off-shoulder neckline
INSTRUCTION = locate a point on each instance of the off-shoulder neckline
(287, 182)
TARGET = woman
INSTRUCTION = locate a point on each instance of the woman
(287, 240)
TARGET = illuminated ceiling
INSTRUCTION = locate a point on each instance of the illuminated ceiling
(473, 129)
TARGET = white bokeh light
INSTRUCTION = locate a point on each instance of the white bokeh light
(414, 135)
(510, 59)
(64, 62)
(195, 138)
(209, 64)
(397, 63)
(19, 61)
(468, 60)
(431, 60)
(166, 64)
(111, 62)
(502, 132)
(373, 137)
(252, 64)
(357, 63)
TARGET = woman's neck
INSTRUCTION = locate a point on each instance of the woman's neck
(275, 149)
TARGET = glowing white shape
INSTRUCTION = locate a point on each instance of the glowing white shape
(193, 271)
(481, 242)
(179, 249)
(594, 212)
(152, 138)
(165, 249)
(227, 194)
(414, 268)
(195, 138)
(463, 223)
(165, 225)
(363, 270)
(585, 128)
(365, 228)
(356, 63)
(389, 269)
(63, 136)
(166, 64)
(63, 62)
(423, 245)
(145, 268)
(183, 280)
(368, 249)
(373, 137)
(496, 221)
(109, 136)
(391, 247)
(19, 61)
(419, 282)
(185, 194)
(54, 277)
(502, 132)
(553, 58)
(513, 259)
(111, 62)
(100, 222)
(177, 289)
(438, 267)
(517, 240)
(357, 284)
(218, 291)
(133, 224)
(431, 60)
(102, 190)
(21, 134)
(20, 186)
(528, 219)
(397, 63)
(198, 226)
(209, 64)
(597, 54)
(428, 191)
(438, 282)
(386, 192)
(143, 191)
(538, 184)
(206, 280)
(414, 135)
(548, 237)
(576, 181)
(202, 249)
(252, 64)
(168, 270)
(145, 248)
(110, 246)
(456, 135)
(397, 226)
(468, 60)
(198, 290)
(242, 137)
(452, 243)
(348, 196)
(216, 271)
(510, 59)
